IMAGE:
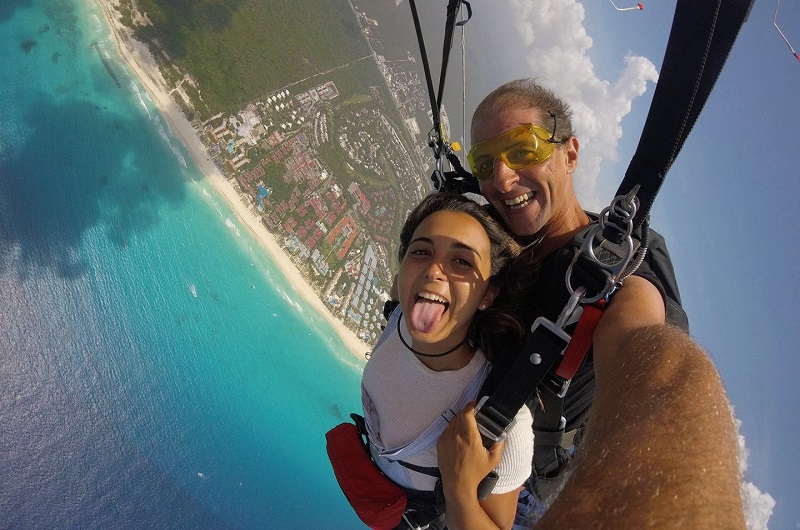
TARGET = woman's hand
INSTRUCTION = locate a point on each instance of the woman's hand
(464, 462)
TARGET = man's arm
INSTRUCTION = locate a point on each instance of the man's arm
(660, 447)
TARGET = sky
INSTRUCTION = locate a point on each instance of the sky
(728, 204)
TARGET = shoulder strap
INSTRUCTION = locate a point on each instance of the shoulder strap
(702, 35)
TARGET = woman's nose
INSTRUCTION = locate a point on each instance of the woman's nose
(435, 271)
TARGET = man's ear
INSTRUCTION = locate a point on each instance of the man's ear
(571, 147)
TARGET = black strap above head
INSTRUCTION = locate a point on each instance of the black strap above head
(458, 180)
(453, 8)
(702, 35)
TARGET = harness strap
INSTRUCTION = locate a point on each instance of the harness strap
(541, 353)
(549, 359)
(581, 340)
(551, 442)
(425, 65)
(431, 471)
(458, 180)
(701, 37)
(556, 438)
(453, 7)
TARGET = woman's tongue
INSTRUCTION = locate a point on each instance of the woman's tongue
(426, 314)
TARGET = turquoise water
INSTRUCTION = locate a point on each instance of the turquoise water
(157, 371)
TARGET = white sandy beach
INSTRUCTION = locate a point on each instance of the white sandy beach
(143, 65)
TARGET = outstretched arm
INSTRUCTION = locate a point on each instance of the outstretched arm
(660, 448)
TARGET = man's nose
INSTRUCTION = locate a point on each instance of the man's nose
(504, 176)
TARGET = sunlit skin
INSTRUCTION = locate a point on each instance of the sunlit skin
(448, 259)
(539, 199)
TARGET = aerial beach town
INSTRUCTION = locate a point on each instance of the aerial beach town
(323, 179)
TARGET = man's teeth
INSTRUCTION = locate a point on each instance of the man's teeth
(518, 202)
(432, 297)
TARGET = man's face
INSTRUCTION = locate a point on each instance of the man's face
(533, 197)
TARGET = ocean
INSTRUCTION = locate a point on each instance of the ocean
(156, 369)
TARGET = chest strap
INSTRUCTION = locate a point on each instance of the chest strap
(540, 376)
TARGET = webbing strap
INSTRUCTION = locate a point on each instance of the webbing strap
(541, 353)
(548, 350)
(549, 440)
(702, 35)
(581, 340)
(425, 65)
(459, 180)
(453, 8)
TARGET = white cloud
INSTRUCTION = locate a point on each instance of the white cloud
(758, 505)
(557, 52)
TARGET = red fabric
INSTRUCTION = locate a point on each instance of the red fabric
(378, 501)
(581, 340)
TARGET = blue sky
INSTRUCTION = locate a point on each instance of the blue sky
(728, 205)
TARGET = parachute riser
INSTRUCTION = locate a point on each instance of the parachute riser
(459, 179)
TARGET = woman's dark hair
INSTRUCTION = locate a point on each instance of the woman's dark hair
(489, 327)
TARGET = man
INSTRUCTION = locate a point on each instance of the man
(660, 446)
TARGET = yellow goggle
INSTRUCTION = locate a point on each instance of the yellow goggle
(518, 148)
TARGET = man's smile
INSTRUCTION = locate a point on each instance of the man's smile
(519, 201)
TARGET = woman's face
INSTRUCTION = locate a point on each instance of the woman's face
(444, 279)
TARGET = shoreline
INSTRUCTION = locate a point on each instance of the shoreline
(142, 64)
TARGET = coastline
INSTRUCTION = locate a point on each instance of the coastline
(139, 60)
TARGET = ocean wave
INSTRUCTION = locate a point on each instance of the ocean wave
(142, 103)
(289, 300)
(230, 224)
(100, 26)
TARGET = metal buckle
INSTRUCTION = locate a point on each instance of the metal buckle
(554, 328)
(617, 259)
(488, 426)
(414, 526)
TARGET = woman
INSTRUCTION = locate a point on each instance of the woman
(422, 375)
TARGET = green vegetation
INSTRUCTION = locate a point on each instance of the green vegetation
(223, 40)
(127, 19)
(281, 190)
(356, 78)
(396, 29)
